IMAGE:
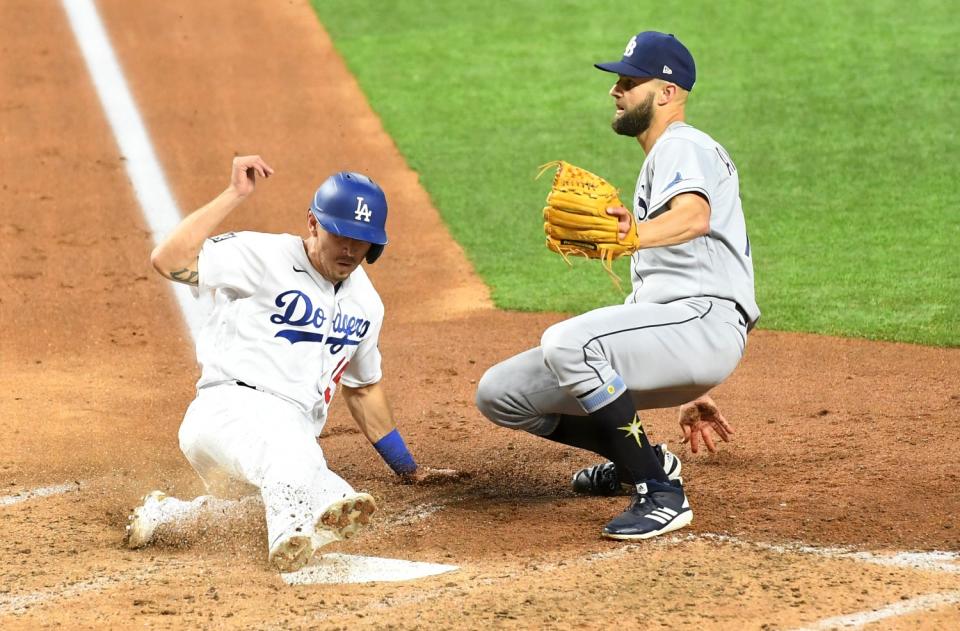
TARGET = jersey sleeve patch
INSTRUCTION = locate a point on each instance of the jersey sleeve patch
(676, 180)
(681, 166)
(236, 265)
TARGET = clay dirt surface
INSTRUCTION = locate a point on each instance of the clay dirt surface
(839, 442)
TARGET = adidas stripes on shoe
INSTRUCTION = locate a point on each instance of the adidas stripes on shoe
(657, 508)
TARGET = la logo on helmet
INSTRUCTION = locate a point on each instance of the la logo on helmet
(363, 211)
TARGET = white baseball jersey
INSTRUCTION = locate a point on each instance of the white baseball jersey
(278, 325)
(683, 160)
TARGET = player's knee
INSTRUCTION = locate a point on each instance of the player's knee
(490, 391)
(556, 346)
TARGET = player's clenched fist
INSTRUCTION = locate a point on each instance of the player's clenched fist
(245, 172)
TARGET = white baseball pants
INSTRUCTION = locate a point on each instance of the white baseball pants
(236, 434)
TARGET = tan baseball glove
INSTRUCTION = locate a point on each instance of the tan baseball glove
(575, 218)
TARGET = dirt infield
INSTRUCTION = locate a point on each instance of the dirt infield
(845, 452)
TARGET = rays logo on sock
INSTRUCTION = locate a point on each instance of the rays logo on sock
(634, 429)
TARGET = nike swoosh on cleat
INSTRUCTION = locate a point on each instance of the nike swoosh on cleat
(297, 269)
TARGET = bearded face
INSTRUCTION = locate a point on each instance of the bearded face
(636, 120)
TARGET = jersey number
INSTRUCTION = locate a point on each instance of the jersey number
(641, 208)
(363, 211)
(726, 160)
(328, 393)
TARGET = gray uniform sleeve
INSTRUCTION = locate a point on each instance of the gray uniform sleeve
(681, 166)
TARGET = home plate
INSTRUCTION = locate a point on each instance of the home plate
(347, 568)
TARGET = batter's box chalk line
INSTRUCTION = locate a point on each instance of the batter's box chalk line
(933, 561)
(45, 491)
(336, 568)
(860, 619)
(412, 515)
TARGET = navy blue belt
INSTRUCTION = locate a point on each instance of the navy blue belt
(742, 312)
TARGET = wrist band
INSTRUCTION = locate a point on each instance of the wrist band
(395, 453)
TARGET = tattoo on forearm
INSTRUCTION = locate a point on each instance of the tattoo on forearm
(186, 276)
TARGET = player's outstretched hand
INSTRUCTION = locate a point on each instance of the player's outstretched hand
(697, 418)
(244, 174)
(429, 475)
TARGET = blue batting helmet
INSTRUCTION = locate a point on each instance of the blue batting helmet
(352, 205)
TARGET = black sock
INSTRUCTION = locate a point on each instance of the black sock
(621, 434)
(579, 432)
(603, 432)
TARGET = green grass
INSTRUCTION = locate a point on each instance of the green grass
(841, 116)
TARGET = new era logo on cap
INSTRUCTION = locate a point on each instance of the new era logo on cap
(655, 54)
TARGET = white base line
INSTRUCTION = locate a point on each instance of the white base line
(149, 183)
(17, 605)
(44, 491)
(860, 619)
(935, 561)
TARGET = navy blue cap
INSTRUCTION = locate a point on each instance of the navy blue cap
(655, 54)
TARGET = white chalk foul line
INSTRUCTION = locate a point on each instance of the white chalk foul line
(20, 604)
(44, 491)
(935, 561)
(860, 619)
(149, 183)
(412, 515)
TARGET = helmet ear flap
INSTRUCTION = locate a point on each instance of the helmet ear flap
(374, 252)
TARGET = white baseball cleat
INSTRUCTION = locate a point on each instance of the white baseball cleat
(345, 517)
(340, 520)
(289, 554)
(143, 521)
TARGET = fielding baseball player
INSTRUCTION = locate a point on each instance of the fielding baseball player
(290, 320)
(680, 332)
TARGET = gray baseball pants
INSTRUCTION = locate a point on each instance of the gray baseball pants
(665, 355)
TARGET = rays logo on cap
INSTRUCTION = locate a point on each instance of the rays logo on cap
(363, 211)
(654, 54)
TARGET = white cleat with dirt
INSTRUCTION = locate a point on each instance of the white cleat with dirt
(144, 519)
(345, 517)
(289, 554)
(341, 520)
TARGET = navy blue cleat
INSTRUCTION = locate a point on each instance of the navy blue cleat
(657, 508)
(601, 479)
